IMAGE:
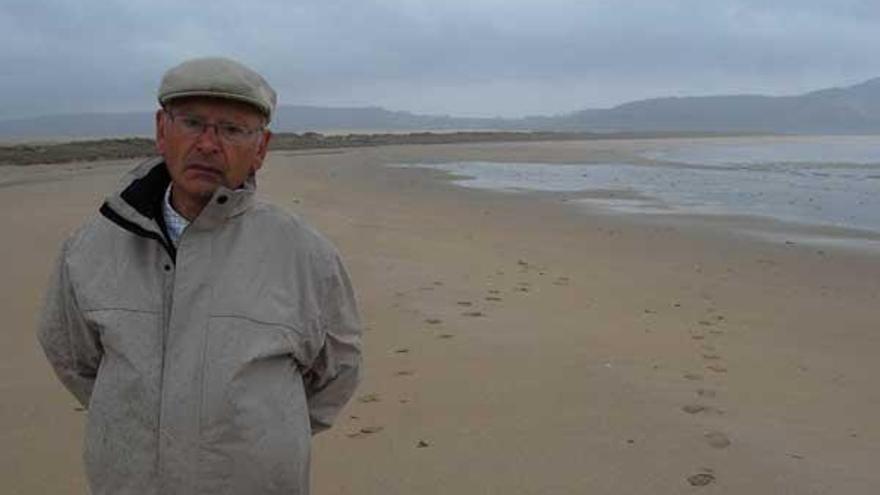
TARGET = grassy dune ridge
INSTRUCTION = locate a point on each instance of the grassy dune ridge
(121, 148)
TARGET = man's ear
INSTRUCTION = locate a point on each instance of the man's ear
(262, 149)
(160, 131)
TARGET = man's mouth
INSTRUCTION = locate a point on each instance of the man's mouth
(202, 169)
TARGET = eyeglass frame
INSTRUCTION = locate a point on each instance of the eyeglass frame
(204, 125)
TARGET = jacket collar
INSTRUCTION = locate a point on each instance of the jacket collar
(137, 207)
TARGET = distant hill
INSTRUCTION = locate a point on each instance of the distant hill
(848, 110)
(855, 109)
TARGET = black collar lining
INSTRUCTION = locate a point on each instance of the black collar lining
(145, 195)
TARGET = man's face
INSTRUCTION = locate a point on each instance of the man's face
(200, 162)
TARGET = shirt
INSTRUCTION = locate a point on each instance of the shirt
(175, 222)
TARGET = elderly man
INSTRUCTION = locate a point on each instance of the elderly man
(208, 334)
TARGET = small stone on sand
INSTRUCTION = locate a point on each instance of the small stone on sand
(422, 444)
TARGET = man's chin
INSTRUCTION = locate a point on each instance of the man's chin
(200, 190)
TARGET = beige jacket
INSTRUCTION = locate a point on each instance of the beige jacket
(205, 369)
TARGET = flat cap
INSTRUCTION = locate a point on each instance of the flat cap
(218, 77)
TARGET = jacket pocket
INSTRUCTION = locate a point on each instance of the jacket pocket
(254, 425)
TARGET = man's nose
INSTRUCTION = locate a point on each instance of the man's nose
(209, 139)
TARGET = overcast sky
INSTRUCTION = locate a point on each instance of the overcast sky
(457, 57)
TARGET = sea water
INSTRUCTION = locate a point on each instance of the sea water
(815, 181)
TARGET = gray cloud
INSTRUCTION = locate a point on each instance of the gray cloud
(476, 57)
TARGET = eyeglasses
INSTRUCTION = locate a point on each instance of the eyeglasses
(228, 132)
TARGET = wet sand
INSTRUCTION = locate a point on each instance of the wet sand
(517, 344)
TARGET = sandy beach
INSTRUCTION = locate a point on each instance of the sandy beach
(517, 344)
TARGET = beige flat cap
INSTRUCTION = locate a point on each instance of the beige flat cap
(218, 77)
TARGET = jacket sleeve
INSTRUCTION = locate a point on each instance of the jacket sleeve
(335, 373)
(72, 348)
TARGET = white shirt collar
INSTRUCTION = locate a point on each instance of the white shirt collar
(174, 222)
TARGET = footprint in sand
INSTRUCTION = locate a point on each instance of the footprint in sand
(717, 368)
(701, 479)
(433, 321)
(717, 440)
(711, 357)
(404, 373)
(521, 289)
(561, 281)
(465, 303)
(706, 392)
(494, 291)
(473, 313)
(445, 336)
(369, 398)
(366, 430)
(700, 408)
(694, 408)
(693, 376)
(494, 298)
(402, 350)
(698, 336)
